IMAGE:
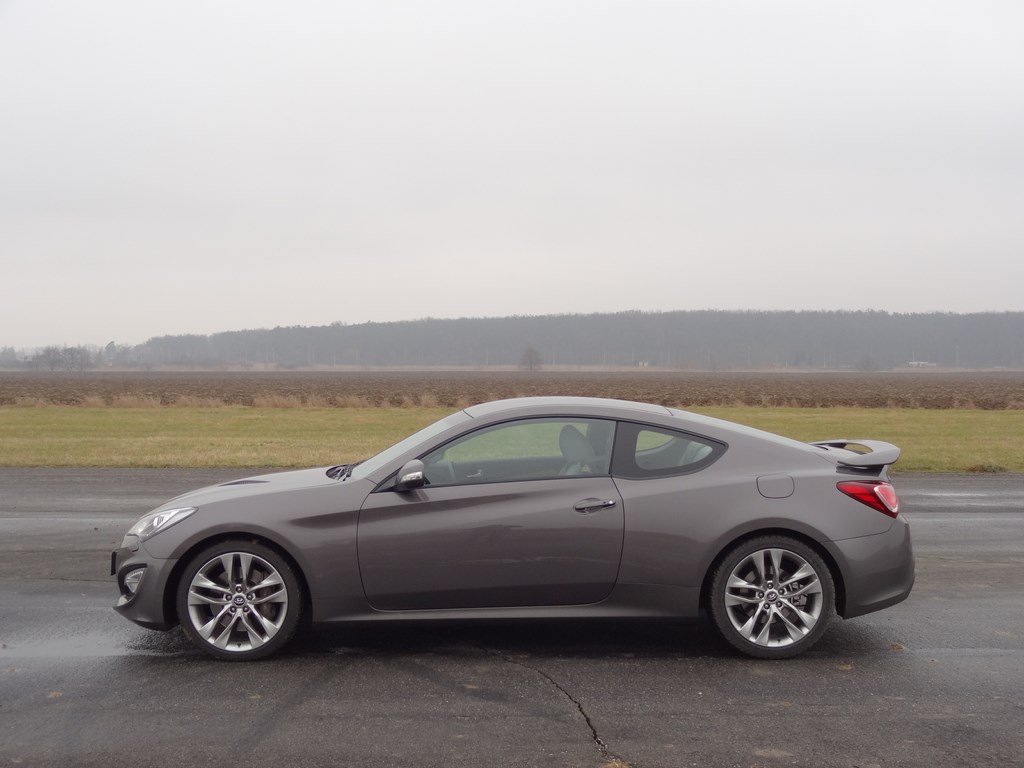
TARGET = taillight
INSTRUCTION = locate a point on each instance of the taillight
(879, 496)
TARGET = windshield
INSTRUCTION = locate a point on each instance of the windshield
(371, 465)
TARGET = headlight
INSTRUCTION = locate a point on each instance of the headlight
(151, 524)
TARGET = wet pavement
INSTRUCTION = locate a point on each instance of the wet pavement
(935, 681)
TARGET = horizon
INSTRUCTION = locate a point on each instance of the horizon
(94, 346)
(684, 340)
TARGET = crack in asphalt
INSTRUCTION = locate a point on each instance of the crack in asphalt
(602, 746)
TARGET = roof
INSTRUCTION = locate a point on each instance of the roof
(553, 403)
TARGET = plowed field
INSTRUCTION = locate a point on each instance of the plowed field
(988, 391)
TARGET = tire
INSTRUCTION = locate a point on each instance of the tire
(772, 597)
(239, 601)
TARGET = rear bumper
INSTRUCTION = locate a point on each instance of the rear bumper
(878, 571)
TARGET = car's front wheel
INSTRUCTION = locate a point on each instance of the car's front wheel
(239, 600)
(771, 597)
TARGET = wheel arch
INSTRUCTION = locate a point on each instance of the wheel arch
(174, 579)
(834, 570)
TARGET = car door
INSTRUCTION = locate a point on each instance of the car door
(522, 513)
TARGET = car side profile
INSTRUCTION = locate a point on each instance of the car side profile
(550, 507)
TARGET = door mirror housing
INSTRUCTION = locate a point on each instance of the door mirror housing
(410, 476)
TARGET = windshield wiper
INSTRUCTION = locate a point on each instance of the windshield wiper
(335, 472)
(342, 471)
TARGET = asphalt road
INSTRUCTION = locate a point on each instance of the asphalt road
(935, 681)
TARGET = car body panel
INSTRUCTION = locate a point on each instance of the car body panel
(491, 545)
(879, 569)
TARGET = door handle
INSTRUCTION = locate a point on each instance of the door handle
(587, 506)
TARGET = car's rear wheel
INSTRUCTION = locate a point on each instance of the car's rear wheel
(239, 600)
(772, 597)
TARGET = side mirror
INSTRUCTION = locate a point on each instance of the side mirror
(411, 476)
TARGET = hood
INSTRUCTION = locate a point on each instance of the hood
(253, 486)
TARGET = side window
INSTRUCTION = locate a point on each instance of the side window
(528, 449)
(648, 451)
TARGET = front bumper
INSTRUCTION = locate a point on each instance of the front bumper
(147, 606)
(878, 571)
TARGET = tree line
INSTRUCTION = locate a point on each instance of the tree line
(685, 340)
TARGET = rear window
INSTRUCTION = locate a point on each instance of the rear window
(643, 450)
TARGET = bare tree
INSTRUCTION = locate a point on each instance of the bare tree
(531, 360)
(50, 358)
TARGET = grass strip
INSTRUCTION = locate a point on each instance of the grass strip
(932, 440)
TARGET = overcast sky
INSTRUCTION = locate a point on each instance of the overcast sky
(193, 167)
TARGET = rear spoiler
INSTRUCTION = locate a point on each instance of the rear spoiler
(863, 453)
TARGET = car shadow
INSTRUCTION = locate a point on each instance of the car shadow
(529, 639)
(587, 639)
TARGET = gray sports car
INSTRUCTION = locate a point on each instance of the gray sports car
(552, 507)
